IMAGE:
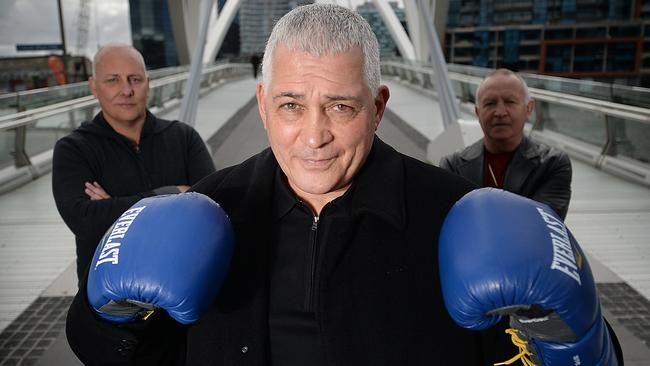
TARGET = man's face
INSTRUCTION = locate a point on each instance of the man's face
(320, 119)
(502, 110)
(121, 86)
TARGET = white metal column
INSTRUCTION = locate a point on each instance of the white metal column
(219, 30)
(396, 30)
(446, 95)
(190, 101)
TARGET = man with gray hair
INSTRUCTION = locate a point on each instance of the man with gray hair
(124, 154)
(505, 158)
(335, 259)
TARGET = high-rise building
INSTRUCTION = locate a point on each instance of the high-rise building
(605, 40)
(387, 47)
(257, 18)
(230, 46)
(151, 29)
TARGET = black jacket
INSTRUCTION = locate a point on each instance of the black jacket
(378, 302)
(536, 171)
(170, 153)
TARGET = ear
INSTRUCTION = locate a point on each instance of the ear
(530, 106)
(92, 86)
(147, 89)
(259, 94)
(380, 104)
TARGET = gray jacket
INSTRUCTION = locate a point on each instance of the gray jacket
(536, 171)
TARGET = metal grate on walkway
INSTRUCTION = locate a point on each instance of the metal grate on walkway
(27, 338)
(628, 307)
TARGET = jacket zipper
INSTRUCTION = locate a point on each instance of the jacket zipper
(312, 251)
(143, 173)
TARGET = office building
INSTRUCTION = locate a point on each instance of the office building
(257, 18)
(387, 47)
(151, 29)
(607, 40)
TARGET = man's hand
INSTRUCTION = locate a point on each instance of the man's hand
(95, 191)
(183, 188)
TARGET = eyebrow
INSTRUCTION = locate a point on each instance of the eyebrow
(128, 75)
(328, 97)
(342, 97)
(289, 95)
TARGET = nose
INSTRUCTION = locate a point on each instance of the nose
(500, 109)
(127, 89)
(316, 132)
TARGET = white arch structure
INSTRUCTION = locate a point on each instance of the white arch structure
(203, 42)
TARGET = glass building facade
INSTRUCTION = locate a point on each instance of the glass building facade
(151, 29)
(387, 47)
(257, 18)
(606, 40)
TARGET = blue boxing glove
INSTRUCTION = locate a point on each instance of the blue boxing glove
(505, 255)
(165, 252)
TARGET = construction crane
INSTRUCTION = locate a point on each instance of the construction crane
(83, 20)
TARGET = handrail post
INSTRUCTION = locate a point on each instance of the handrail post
(20, 155)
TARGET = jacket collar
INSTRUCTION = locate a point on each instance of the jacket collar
(151, 125)
(522, 163)
(472, 163)
(379, 187)
(518, 168)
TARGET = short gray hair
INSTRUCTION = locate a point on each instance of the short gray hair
(320, 29)
(507, 72)
(114, 45)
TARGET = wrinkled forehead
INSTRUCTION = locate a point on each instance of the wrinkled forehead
(502, 85)
(122, 59)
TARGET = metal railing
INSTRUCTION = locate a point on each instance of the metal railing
(609, 135)
(624, 94)
(27, 138)
(16, 102)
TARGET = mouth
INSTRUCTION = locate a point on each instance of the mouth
(320, 163)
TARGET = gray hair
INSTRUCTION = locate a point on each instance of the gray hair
(114, 45)
(320, 29)
(505, 72)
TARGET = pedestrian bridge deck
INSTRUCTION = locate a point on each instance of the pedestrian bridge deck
(607, 215)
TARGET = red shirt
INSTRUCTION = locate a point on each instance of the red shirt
(494, 168)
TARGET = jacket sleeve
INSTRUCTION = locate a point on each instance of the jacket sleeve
(157, 341)
(445, 163)
(555, 189)
(86, 218)
(199, 162)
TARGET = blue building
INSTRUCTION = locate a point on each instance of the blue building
(606, 40)
(151, 30)
(387, 47)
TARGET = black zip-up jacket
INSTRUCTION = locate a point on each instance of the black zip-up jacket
(170, 153)
(377, 299)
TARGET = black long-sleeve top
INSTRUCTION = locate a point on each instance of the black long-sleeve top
(170, 153)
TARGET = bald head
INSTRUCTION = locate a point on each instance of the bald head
(506, 73)
(121, 48)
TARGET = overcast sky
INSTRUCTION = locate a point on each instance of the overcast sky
(37, 22)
